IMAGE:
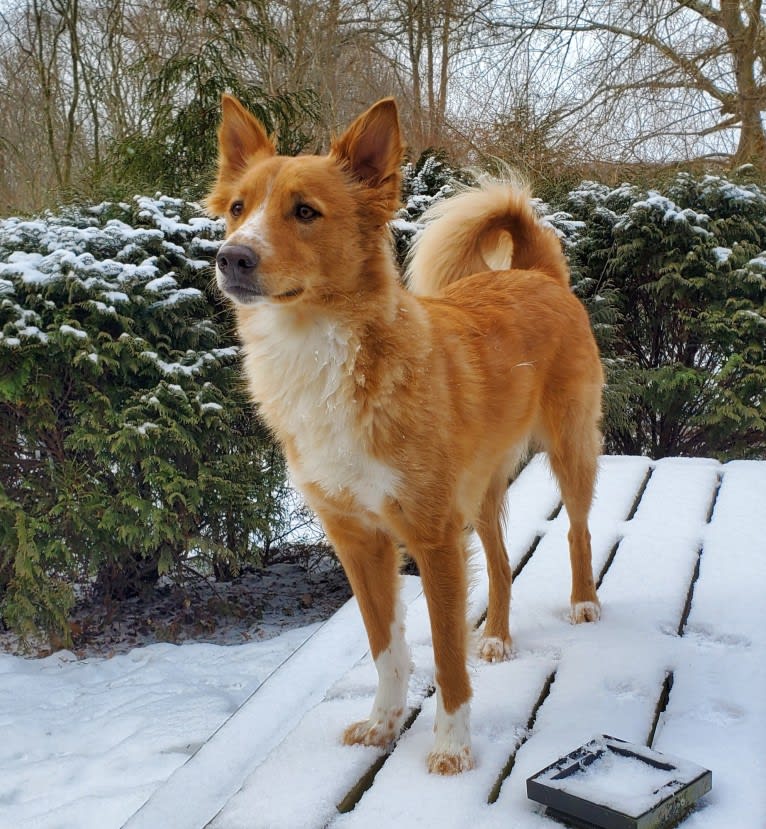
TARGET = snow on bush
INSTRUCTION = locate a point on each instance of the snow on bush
(127, 445)
(671, 277)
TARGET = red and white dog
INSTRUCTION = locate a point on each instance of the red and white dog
(403, 413)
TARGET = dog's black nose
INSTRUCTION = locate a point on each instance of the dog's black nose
(237, 262)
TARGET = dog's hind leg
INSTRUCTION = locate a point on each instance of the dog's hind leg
(495, 643)
(371, 562)
(573, 449)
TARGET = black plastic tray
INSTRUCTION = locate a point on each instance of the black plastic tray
(571, 792)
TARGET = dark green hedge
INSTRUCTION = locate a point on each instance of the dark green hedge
(128, 448)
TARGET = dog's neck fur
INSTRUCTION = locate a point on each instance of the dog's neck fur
(307, 373)
(277, 327)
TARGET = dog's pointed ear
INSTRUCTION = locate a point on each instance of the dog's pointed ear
(372, 145)
(241, 137)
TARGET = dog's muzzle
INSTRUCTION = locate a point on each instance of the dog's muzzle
(237, 277)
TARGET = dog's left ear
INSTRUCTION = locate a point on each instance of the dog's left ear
(241, 140)
(372, 145)
(241, 137)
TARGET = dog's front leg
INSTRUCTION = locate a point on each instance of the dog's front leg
(443, 572)
(371, 562)
(393, 665)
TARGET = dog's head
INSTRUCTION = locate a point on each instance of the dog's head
(308, 227)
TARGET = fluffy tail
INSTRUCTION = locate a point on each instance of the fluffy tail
(491, 227)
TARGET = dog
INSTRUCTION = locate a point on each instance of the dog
(404, 412)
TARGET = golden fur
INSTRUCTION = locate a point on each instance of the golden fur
(403, 412)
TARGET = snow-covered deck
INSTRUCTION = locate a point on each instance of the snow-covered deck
(678, 662)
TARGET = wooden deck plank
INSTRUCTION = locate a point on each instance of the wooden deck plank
(665, 535)
(593, 692)
(198, 789)
(730, 597)
(711, 716)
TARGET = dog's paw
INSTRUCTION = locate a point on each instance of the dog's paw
(585, 612)
(494, 649)
(374, 732)
(450, 762)
(451, 753)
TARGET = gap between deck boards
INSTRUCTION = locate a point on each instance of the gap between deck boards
(366, 780)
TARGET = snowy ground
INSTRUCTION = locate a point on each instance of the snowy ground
(86, 743)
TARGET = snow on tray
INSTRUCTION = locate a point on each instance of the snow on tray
(624, 783)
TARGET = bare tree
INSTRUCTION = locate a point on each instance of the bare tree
(672, 76)
(41, 35)
(430, 44)
(536, 81)
(59, 54)
(331, 47)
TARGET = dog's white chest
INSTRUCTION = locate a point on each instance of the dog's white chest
(305, 384)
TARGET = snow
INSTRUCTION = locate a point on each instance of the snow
(627, 778)
(721, 254)
(179, 295)
(729, 190)
(115, 296)
(69, 331)
(26, 266)
(622, 783)
(671, 214)
(143, 428)
(86, 743)
(189, 370)
(162, 283)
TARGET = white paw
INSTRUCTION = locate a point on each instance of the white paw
(378, 731)
(494, 649)
(452, 740)
(585, 612)
(393, 664)
(445, 762)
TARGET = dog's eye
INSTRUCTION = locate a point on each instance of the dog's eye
(306, 213)
(236, 208)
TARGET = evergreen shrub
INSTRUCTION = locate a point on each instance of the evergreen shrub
(675, 280)
(424, 182)
(128, 447)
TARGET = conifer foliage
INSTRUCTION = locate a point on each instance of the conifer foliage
(424, 182)
(128, 447)
(676, 283)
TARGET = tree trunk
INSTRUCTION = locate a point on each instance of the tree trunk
(751, 148)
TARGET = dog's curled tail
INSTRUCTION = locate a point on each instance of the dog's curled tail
(491, 227)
